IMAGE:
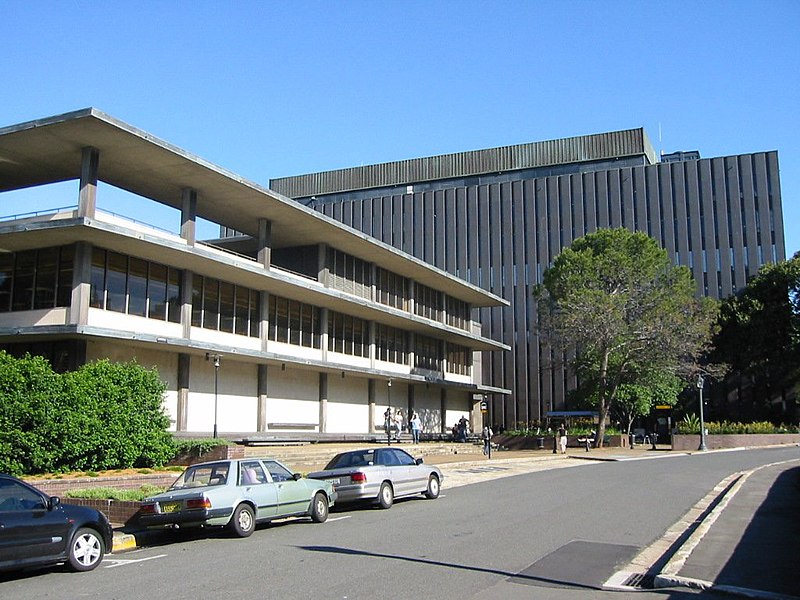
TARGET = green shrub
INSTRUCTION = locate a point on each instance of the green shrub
(691, 425)
(103, 416)
(107, 493)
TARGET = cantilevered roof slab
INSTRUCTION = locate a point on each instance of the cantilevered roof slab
(49, 151)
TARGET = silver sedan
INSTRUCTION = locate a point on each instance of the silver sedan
(380, 475)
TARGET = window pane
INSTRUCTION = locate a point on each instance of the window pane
(116, 276)
(294, 323)
(157, 292)
(282, 320)
(226, 307)
(197, 300)
(46, 270)
(6, 280)
(65, 268)
(23, 280)
(174, 295)
(137, 287)
(242, 310)
(211, 304)
(98, 279)
(255, 312)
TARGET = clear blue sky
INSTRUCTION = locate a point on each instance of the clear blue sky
(273, 89)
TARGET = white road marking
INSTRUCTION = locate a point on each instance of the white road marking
(121, 562)
(331, 519)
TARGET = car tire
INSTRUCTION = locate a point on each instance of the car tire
(86, 550)
(243, 522)
(433, 487)
(386, 495)
(319, 508)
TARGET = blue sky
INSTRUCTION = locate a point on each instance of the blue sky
(268, 89)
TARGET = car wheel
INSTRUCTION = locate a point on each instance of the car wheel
(243, 522)
(86, 550)
(433, 487)
(319, 508)
(386, 495)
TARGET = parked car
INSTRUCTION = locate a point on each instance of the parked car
(237, 494)
(380, 475)
(37, 529)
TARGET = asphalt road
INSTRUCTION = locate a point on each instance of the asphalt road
(556, 533)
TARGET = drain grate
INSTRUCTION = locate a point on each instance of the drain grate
(640, 580)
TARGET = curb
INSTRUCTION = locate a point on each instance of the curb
(123, 542)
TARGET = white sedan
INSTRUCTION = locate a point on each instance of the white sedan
(380, 475)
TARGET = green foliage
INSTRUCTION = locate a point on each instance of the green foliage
(108, 493)
(691, 425)
(198, 447)
(616, 298)
(759, 336)
(103, 416)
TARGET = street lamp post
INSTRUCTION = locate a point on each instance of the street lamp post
(215, 359)
(700, 381)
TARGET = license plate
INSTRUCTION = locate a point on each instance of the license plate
(170, 507)
(335, 481)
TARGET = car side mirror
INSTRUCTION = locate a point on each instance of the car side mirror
(419, 461)
(53, 502)
(297, 476)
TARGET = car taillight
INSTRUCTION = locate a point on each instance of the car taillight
(358, 477)
(198, 503)
(147, 509)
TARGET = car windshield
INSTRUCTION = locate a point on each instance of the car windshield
(202, 475)
(352, 459)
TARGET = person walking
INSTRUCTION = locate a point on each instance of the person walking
(562, 438)
(487, 439)
(398, 423)
(416, 427)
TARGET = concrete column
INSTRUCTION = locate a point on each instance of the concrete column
(411, 295)
(265, 242)
(87, 197)
(371, 400)
(323, 326)
(184, 370)
(323, 402)
(322, 265)
(189, 215)
(263, 329)
(81, 285)
(411, 401)
(186, 303)
(261, 418)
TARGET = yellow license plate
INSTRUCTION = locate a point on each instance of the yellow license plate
(170, 507)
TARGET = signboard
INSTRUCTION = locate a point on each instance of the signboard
(663, 407)
(484, 406)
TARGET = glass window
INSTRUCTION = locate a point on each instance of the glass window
(65, 268)
(116, 276)
(24, 274)
(197, 300)
(46, 277)
(17, 497)
(174, 296)
(137, 287)
(226, 303)
(211, 303)
(98, 279)
(251, 473)
(242, 310)
(278, 471)
(157, 292)
(6, 281)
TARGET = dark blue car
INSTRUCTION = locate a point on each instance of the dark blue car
(37, 529)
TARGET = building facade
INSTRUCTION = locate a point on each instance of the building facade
(298, 324)
(498, 218)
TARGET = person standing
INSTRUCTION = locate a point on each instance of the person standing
(416, 427)
(398, 423)
(487, 439)
(388, 424)
(562, 438)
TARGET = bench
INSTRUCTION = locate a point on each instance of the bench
(586, 442)
(306, 426)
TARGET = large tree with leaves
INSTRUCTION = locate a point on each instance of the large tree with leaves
(615, 297)
(759, 337)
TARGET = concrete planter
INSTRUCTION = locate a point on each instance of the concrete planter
(531, 442)
(682, 441)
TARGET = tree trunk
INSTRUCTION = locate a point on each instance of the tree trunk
(603, 408)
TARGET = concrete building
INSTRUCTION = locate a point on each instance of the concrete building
(498, 217)
(298, 325)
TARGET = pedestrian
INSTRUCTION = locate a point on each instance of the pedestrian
(416, 427)
(398, 423)
(562, 438)
(487, 439)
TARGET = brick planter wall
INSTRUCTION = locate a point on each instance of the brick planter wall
(57, 487)
(119, 512)
(747, 440)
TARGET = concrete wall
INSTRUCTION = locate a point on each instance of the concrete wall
(753, 440)
(348, 405)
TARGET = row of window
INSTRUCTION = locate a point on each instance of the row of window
(42, 278)
(36, 279)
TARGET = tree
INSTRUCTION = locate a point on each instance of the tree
(759, 336)
(638, 399)
(615, 297)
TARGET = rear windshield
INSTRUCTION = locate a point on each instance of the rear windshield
(352, 459)
(202, 475)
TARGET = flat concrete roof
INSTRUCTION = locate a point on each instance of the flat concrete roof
(49, 150)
